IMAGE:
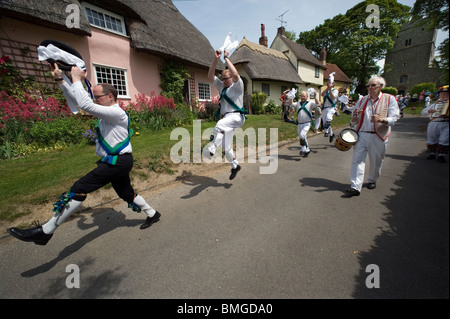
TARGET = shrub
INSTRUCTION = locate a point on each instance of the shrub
(390, 90)
(272, 108)
(257, 102)
(156, 112)
(64, 130)
(173, 75)
(427, 86)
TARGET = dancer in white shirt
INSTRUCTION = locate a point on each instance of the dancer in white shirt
(231, 88)
(113, 146)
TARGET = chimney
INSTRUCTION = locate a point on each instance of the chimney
(263, 38)
(323, 56)
(281, 31)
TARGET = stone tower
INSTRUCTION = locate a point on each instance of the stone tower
(412, 58)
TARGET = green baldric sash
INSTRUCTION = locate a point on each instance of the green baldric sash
(113, 152)
(224, 96)
(327, 96)
(302, 107)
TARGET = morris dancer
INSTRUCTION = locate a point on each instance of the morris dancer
(231, 90)
(372, 118)
(330, 98)
(113, 146)
(304, 118)
(438, 130)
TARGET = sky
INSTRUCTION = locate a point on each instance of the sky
(243, 18)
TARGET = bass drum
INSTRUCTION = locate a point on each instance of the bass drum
(346, 139)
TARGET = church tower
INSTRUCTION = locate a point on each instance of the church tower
(411, 60)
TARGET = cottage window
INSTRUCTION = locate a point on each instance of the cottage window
(114, 76)
(265, 88)
(204, 91)
(104, 19)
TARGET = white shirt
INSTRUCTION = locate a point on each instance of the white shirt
(392, 116)
(326, 102)
(302, 116)
(113, 122)
(235, 92)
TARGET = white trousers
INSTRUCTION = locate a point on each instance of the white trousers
(327, 116)
(437, 133)
(372, 145)
(302, 131)
(223, 135)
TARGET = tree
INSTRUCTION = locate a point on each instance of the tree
(354, 42)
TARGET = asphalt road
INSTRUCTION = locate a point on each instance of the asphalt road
(288, 235)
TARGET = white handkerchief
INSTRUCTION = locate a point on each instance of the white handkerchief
(291, 93)
(332, 77)
(228, 45)
(55, 53)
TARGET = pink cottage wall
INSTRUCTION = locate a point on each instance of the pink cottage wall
(102, 48)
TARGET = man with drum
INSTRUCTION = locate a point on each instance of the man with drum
(304, 110)
(372, 118)
(438, 130)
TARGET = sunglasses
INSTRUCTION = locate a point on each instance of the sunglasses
(373, 85)
(99, 96)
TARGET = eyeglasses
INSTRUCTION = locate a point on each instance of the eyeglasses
(99, 96)
(223, 79)
(373, 85)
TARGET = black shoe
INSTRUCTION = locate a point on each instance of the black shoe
(35, 234)
(151, 220)
(441, 159)
(331, 138)
(352, 192)
(326, 135)
(301, 153)
(371, 186)
(431, 156)
(234, 172)
(306, 154)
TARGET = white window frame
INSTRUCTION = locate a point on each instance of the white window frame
(105, 13)
(120, 96)
(206, 90)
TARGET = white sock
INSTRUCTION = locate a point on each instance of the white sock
(59, 218)
(142, 204)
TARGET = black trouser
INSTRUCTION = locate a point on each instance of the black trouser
(117, 175)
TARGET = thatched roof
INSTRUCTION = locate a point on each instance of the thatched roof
(262, 63)
(154, 26)
(50, 13)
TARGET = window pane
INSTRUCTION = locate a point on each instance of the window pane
(115, 77)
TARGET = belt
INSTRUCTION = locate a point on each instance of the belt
(370, 132)
(233, 112)
(439, 121)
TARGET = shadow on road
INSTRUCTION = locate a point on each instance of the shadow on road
(199, 183)
(413, 255)
(104, 225)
